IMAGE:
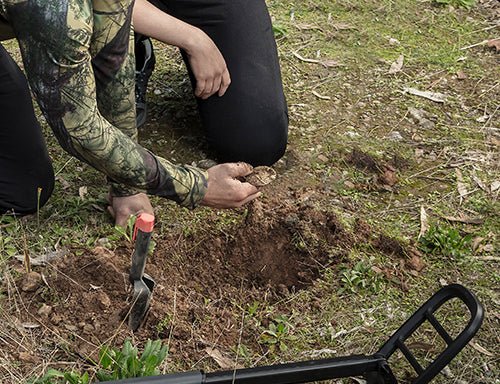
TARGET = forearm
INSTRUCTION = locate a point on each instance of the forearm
(151, 21)
(62, 74)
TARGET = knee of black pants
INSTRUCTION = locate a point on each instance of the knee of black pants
(257, 138)
(26, 195)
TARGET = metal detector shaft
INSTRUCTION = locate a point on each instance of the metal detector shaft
(291, 373)
(375, 369)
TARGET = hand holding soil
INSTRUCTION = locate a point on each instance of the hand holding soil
(261, 176)
(225, 190)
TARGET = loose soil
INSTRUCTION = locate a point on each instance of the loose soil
(282, 245)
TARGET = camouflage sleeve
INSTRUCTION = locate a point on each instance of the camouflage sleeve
(78, 61)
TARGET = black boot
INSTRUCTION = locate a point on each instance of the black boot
(144, 66)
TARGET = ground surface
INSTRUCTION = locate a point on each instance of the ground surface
(328, 262)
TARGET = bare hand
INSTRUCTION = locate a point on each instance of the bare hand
(121, 208)
(208, 65)
(225, 190)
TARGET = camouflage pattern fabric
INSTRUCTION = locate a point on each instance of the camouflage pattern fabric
(79, 61)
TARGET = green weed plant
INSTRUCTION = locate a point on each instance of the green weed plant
(446, 241)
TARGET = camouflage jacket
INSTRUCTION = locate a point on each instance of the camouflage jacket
(79, 61)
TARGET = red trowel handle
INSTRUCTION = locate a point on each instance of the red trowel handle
(144, 223)
(143, 230)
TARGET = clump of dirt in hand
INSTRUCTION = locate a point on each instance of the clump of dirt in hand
(261, 176)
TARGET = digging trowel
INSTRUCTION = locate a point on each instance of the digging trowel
(142, 283)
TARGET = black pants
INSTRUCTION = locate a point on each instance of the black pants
(249, 123)
(26, 175)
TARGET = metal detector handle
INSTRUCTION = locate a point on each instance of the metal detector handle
(143, 229)
(426, 312)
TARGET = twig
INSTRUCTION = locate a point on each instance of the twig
(484, 42)
(301, 58)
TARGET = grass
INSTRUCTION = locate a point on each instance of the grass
(350, 309)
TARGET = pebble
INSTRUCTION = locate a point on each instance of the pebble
(104, 299)
(395, 136)
(45, 310)
(31, 282)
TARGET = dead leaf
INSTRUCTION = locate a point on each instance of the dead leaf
(389, 177)
(421, 346)
(461, 75)
(304, 59)
(329, 63)
(495, 186)
(319, 96)
(82, 191)
(307, 27)
(224, 362)
(461, 187)
(419, 154)
(489, 248)
(494, 43)
(415, 262)
(342, 26)
(30, 325)
(465, 219)
(434, 96)
(41, 260)
(480, 183)
(476, 242)
(63, 182)
(424, 222)
(481, 349)
(397, 65)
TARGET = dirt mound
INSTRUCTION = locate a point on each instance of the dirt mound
(82, 298)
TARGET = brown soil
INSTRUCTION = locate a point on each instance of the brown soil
(83, 298)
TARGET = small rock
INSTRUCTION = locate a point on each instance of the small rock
(393, 41)
(157, 91)
(103, 299)
(352, 134)
(395, 135)
(31, 282)
(104, 242)
(323, 158)
(71, 328)
(56, 319)
(461, 75)
(447, 373)
(88, 328)
(421, 117)
(45, 310)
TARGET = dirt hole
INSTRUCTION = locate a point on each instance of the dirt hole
(84, 297)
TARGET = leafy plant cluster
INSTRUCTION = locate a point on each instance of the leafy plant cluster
(115, 364)
(360, 278)
(277, 334)
(446, 241)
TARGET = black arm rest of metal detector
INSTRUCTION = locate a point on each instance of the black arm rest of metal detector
(374, 368)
